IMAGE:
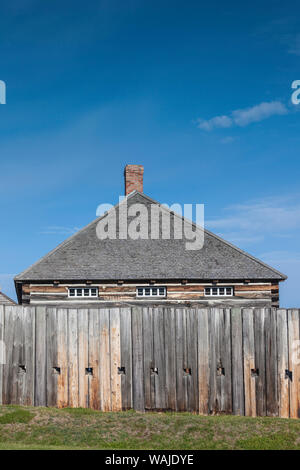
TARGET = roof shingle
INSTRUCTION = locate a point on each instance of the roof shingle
(84, 256)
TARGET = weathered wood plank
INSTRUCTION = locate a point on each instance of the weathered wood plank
(225, 354)
(9, 376)
(283, 363)
(180, 385)
(73, 358)
(98, 341)
(192, 360)
(203, 360)
(294, 362)
(115, 360)
(105, 363)
(260, 361)
(271, 363)
(238, 403)
(126, 358)
(215, 362)
(148, 355)
(62, 357)
(170, 358)
(28, 326)
(159, 358)
(18, 358)
(53, 364)
(83, 357)
(40, 357)
(249, 362)
(137, 359)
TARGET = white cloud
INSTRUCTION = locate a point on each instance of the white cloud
(243, 117)
(252, 221)
(57, 229)
(218, 121)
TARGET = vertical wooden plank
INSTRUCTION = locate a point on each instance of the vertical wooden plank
(271, 363)
(214, 362)
(180, 386)
(203, 360)
(62, 358)
(225, 353)
(18, 357)
(137, 359)
(8, 370)
(260, 361)
(170, 355)
(126, 357)
(83, 357)
(40, 357)
(294, 367)
(73, 358)
(28, 323)
(53, 365)
(186, 366)
(159, 358)
(238, 405)
(98, 357)
(249, 362)
(115, 360)
(148, 355)
(105, 384)
(192, 360)
(2, 350)
(283, 363)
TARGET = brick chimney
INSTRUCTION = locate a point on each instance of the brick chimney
(133, 178)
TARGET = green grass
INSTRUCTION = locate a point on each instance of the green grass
(50, 428)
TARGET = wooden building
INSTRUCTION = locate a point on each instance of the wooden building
(5, 300)
(89, 270)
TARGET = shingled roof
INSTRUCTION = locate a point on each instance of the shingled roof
(4, 299)
(84, 256)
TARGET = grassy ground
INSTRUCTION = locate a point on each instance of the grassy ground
(50, 428)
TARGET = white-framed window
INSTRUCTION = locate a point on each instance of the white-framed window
(219, 291)
(83, 291)
(151, 291)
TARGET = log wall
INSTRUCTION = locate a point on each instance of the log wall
(207, 361)
(266, 293)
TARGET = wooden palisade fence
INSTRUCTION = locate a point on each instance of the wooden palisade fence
(240, 361)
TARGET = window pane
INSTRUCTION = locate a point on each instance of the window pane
(86, 292)
(207, 290)
(214, 291)
(147, 291)
(140, 291)
(72, 292)
(221, 291)
(79, 292)
(228, 290)
(154, 290)
(94, 292)
(161, 291)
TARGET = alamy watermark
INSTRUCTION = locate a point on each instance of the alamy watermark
(152, 221)
(2, 92)
(295, 98)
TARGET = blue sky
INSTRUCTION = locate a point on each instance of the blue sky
(197, 92)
